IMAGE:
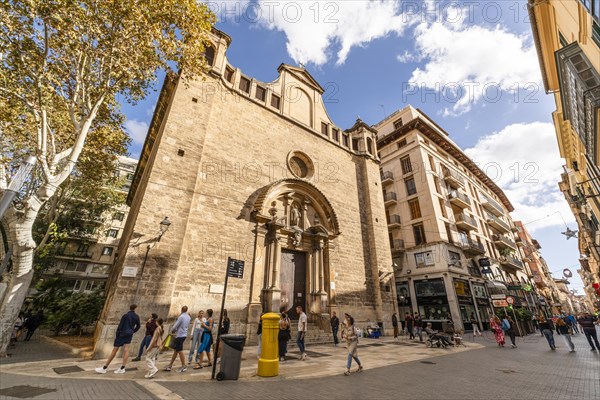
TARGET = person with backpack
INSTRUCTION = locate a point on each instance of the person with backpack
(562, 329)
(351, 336)
(508, 328)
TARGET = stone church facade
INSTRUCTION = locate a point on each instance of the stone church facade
(258, 172)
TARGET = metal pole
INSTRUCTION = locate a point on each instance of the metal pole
(214, 366)
(137, 287)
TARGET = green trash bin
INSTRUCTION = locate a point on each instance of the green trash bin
(231, 357)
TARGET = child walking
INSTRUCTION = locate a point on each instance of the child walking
(154, 348)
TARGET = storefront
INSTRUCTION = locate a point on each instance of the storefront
(465, 302)
(483, 304)
(404, 300)
(432, 301)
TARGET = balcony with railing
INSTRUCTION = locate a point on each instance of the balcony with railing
(497, 224)
(453, 178)
(390, 199)
(387, 177)
(394, 222)
(491, 205)
(519, 242)
(472, 247)
(75, 254)
(465, 221)
(459, 199)
(502, 242)
(398, 246)
(511, 261)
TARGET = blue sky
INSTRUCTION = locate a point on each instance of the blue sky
(471, 66)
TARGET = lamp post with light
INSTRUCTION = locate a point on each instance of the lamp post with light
(164, 227)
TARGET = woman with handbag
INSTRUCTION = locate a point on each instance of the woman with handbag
(496, 328)
(206, 342)
(284, 335)
(351, 336)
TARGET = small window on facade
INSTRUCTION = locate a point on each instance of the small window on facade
(245, 84)
(209, 55)
(346, 140)
(324, 129)
(397, 123)
(419, 233)
(260, 93)
(89, 285)
(77, 285)
(370, 145)
(70, 266)
(443, 208)
(436, 182)
(107, 251)
(449, 233)
(83, 248)
(406, 165)
(415, 209)
(229, 75)
(335, 134)
(355, 144)
(112, 233)
(401, 143)
(411, 187)
(275, 101)
(431, 163)
(119, 216)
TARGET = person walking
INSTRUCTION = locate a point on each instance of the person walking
(180, 330)
(225, 324)
(129, 324)
(409, 325)
(571, 323)
(475, 325)
(302, 326)
(547, 328)
(259, 336)
(509, 329)
(335, 326)
(33, 323)
(206, 341)
(496, 328)
(154, 348)
(17, 328)
(418, 326)
(284, 335)
(587, 323)
(351, 337)
(197, 332)
(395, 325)
(562, 329)
(150, 327)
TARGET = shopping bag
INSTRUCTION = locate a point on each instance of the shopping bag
(168, 343)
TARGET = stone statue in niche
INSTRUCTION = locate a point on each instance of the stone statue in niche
(297, 238)
(295, 216)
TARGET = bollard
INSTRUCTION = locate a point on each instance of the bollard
(268, 364)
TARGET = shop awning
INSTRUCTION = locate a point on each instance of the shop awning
(496, 285)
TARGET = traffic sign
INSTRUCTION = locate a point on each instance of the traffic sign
(510, 300)
(498, 296)
(235, 268)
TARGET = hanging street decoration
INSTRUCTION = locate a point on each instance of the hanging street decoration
(569, 233)
(567, 272)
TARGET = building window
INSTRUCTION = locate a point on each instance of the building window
(415, 210)
(275, 101)
(107, 251)
(112, 233)
(245, 84)
(401, 143)
(431, 163)
(436, 182)
(596, 12)
(209, 55)
(70, 266)
(449, 233)
(411, 187)
(260, 93)
(596, 32)
(443, 208)
(355, 145)
(229, 75)
(419, 233)
(397, 123)
(406, 165)
(83, 248)
(89, 285)
(99, 269)
(561, 39)
(77, 285)
(335, 134)
(587, 4)
(346, 140)
(119, 216)
(324, 129)
(370, 145)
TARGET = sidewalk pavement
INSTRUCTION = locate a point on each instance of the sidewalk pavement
(54, 360)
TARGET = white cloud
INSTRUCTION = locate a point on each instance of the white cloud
(523, 159)
(137, 130)
(470, 63)
(314, 28)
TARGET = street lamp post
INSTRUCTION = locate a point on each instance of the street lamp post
(164, 227)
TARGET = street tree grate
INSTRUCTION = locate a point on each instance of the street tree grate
(428, 362)
(67, 370)
(25, 391)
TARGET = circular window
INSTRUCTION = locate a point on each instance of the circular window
(300, 165)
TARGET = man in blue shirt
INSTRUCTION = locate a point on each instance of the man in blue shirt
(130, 323)
(180, 331)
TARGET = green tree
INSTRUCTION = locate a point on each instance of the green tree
(64, 67)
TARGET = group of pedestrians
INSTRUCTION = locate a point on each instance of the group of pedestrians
(502, 328)
(566, 326)
(413, 326)
(27, 321)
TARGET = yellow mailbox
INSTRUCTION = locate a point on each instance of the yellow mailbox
(268, 364)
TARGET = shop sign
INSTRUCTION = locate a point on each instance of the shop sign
(514, 287)
(498, 296)
(499, 303)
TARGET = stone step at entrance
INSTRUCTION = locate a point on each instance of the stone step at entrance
(314, 335)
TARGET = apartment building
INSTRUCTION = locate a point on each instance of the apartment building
(567, 38)
(453, 241)
(85, 261)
